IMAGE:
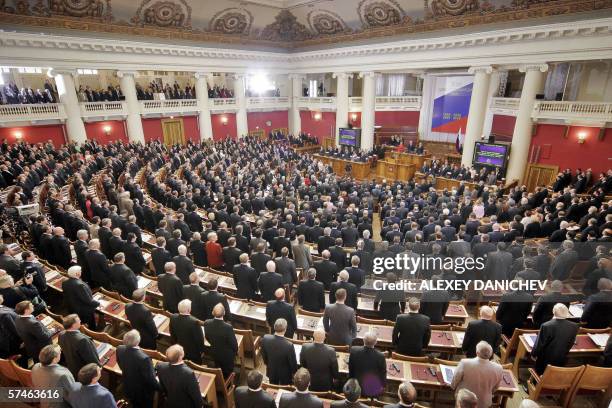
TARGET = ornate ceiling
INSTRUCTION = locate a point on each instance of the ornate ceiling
(280, 23)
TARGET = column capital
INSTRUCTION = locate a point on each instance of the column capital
(238, 75)
(205, 75)
(484, 69)
(296, 76)
(533, 67)
(126, 73)
(369, 74)
(62, 71)
(342, 75)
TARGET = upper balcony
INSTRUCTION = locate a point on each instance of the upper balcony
(388, 103)
(222, 104)
(265, 103)
(573, 112)
(177, 106)
(318, 103)
(103, 109)
(505, 106)
(32, 113)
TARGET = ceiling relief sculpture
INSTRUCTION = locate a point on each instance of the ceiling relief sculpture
(232, 21)
(163, 13)
(305, 24)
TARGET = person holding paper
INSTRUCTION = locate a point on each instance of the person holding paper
(479, 375)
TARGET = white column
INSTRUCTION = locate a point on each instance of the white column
(342, 100)
(476, 115)
(493, 92)
(201, 89)
(295, 122)
(368, 109)
(521, 138)
(64, 80)
(427, 82)
(242, 126)
(134, 122)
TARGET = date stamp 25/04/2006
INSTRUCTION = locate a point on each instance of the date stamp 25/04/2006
(24, 394)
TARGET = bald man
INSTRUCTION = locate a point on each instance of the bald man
(483, 329)
(279, 309)
(556, 338)
(320, 359)
(223, 344)
(178, 382)
(61, 248)
(368, 365)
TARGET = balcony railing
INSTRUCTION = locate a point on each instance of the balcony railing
(389, 103)
(33, 112)
(573, 111)
(263, 103)
(91, 109)
(505, 106)
(325, 103)
(169, 106)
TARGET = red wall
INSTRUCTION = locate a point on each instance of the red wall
(223, 131)
(568, 153)
(354, 122)
(503, 125)
(397, 118)
(152, 128)
(279, 119)
(325, 127)
(95, 131)
(35, 134)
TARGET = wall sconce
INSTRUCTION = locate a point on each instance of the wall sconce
(107, 130)
(317, 116)
(582, 137)
(224, 120)
(353, 117)
(18, 135)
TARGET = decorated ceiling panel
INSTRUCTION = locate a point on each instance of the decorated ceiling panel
(282, 23)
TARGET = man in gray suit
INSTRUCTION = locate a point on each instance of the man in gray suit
(320, 360)
(301, 253)
(564, 262)
(300, 398)
(49, 374)
(498, 263)
(479, 375)
(339, 321)
(285, 266)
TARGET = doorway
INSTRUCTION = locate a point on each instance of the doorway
(173, 131)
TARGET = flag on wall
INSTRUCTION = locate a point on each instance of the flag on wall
(458, 144)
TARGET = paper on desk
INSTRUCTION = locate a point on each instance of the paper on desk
(102, 348)
(261, 310)
(298, 350)
(51, 275)
(145, 237)
(460, 336)
(143, 282)
(601, 339)
(234, 306)
(448, 372)
(300, 321)
(159, 319)
(576, 310)
(47, 321)
(531, 339)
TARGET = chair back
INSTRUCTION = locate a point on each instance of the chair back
(446, 362)
(24, 375)
(509, 346)
(155, 355)
(223, 386)
(403, 357)
(441, 327)
(379, 322)
(592, 378)
(584, 330)
(99, 336)
(307, 313)
(110, 293)
(560, 379)
(7, 371)
(267, 386)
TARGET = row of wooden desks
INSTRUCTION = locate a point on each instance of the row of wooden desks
(359, 170)
(108, 358)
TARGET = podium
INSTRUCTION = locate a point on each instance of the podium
(359, 170)
(391, 169)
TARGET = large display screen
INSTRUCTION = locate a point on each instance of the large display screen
(489, 154)
(349, 137)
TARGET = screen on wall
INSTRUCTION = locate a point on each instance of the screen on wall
(490, 154)
(349, 137)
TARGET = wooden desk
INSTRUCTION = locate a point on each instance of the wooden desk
(406, 157)
(454, 314)
(583, 347)
(107, 355)
(394, 170)
(360, 170)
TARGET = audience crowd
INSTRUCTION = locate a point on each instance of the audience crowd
(13, 95)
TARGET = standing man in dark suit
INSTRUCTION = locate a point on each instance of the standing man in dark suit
(542, 312)
(97, 265)
(170, 287)
(434, 303)
(141, 319)
(223, 344)
(186, 330)
(61, 248)
(32, 332)
(78, 348)
(193, 291)
(91, 394)
(231, 255)
(356, 274)
(484, 329)
(368, 366)
(213, 297)
(311, 293)
(197, 250)
(260, 259)
(277, 309)
(556, 338)
(184, 265)
(79, 298)
(338, 255)
(137, 373)
(412, 331)
(80, 248)
(285, 266)
(269, 281)
(245, 278)
(326, 270)
(116, 244)
(339, 321)
(351, 290)
(278, 355)
(178, 383)
(564, 262)
(160, 255)
(300, 398)
(122, 277)
(320, 360)
(134, 258)
(513, 310)
(252, 395)
(597, 312)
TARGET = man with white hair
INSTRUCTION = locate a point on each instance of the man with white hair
(178, 382)
(564, 262)
(170, 287)
(368, 365)
(278, 355)
(479, 375)
(186, 330)
(325, 241)
(137, 373)
(483, 329)
(79, 298)
(556, 338)
(61, 248)
(269, 281)
(184, 265)
(326, 270)
(343, 283)
(321, 361)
